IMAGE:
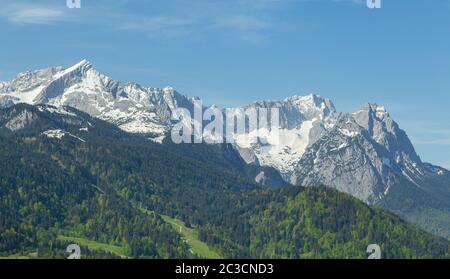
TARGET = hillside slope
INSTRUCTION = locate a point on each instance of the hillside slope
(66, 173)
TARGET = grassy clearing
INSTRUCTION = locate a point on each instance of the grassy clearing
(93, 245)
(190, 235)
(32, 255)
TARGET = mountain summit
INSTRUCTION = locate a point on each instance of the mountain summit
(132, 107)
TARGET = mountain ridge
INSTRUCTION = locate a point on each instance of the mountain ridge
(364, 153)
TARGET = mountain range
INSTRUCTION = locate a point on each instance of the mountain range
(364, 154)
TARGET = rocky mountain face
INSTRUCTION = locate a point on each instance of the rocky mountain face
(131, 107)
(363, 153)
(302, 121)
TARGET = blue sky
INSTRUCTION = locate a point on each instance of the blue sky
(231, 52)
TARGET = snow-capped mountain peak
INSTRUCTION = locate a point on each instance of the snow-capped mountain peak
(311, 101)
(132, 107)
(81, 67)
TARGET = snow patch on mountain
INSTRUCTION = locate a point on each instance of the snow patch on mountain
(281, 153)
(59, 110)
(59, 134)
(303, 120)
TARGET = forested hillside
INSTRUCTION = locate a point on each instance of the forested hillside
(100, 184)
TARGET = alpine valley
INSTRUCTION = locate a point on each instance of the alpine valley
(87, 160)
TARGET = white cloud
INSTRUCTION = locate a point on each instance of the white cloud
(170, 26)
(22, 13)
(245, 20)
(36, 16)
(243, 23)
(442, 141)
(156, 23)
